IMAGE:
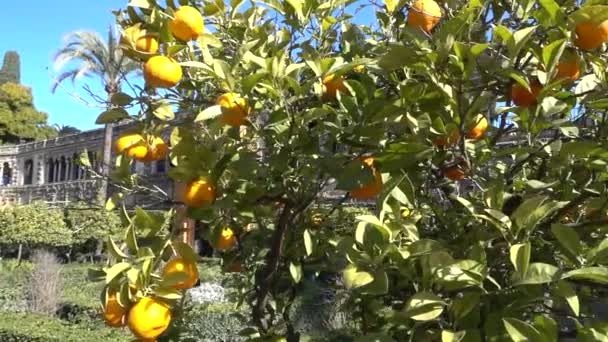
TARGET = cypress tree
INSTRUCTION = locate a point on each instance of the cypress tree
(11, 69)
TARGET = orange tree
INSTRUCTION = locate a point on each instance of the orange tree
(269, 103)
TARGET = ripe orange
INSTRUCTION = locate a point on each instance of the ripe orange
(157, 149)
(568, 70)
(139, 40)
(332, 84)
(226, 239)
(133, 145)
(424, 15)
(149, 318)
(454, 173)
(523, 97)
(179, 265)
(479, 129)
(162, 72)
(234, 109)
(449, 139)
(198, 193)
(372, 189)
(147, 43)
(113, 312)
(317, 219)
(187, 23)
(591, 35)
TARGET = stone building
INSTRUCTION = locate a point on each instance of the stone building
(48, 170)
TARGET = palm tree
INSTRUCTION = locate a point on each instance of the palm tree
(87, 54)
(65, 129)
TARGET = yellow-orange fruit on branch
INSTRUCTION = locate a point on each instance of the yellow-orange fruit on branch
(113, 313)
(333, 84)
(133, 145)
(157, 149)
(424, 15)
(523, 97)
(187, 23)
(568, 70)
(187, 268)
(480, 126)
(139, 40)
(454, 173)
(199, 193)
(226, 239)
(448, 139)
(149, 318)
(234, 109)
(162, 72)
(371, 189)
(590, 35)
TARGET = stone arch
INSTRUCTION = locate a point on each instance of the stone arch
(50, 166)
(28, 172)
(7, 173)
(62, 169)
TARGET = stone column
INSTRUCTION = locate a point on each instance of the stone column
(14, 173)
(68, 169)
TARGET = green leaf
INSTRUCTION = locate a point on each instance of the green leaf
(209, 113)
(116, 270)
(552, 8)
(598, 254)
(185, 251)
(564, 289)
(112, 115)
(461, 307)
(131, 240)
(596, 14)
(250, 81)
(379, 286)
(308, 243)
(424, 306)
(168, 293)
(520, 256)
(519, 39)
(139, 3)
(354, 278)
(552, 53)
(520, 331)
(547, 327)
(597, 274)
(174, 278)
(451, 336)
(296, 272)
(568, 238)
(164, 112)
(121, 99)
(115, 250)
(539, 273)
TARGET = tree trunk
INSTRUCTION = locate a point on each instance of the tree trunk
(105, 163)
(19, 254)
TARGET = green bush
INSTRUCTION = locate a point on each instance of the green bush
(75, 229)
(34, 225)
(36, 328)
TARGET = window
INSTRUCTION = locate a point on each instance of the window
(28, 176)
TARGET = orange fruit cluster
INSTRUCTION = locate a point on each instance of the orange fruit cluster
(141, 149)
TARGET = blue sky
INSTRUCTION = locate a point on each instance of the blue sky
(36, 30)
